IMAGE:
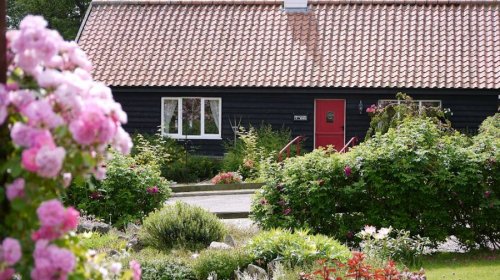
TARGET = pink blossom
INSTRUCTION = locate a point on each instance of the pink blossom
(347, 171)
(92, 126)
(7, 273)
(51, 262)
(287, 211)
(55, 220)
(4, 102)
(67, 177)
(70, 219)
(371, 109)
(11, 251)
(25, 136)
(21, 98)
(51, 213)
(15, 189)
(136, 269)
(49, 161)
(70, 103)
(35, 22)
(122, 141)
(28, 159)
(40, 113)
(49, 78)
(153, 190)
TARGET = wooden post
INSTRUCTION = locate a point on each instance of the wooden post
(3, 41)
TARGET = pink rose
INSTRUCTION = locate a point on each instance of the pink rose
(40, 113)
(51, 262)
(92, 126)
(122, 141)
(136, 269)
(15, 189)
(70, 219)
(4, 102)
(7, 273)
(28, 161)
(11, 250)
(26, 136)
(49, 161)
(49, 78)
(51, 213)
(21, 98)
(67, 177)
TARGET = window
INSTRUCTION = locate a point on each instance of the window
(191, 117)
(421, 104)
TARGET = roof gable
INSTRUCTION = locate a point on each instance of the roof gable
(338, 43)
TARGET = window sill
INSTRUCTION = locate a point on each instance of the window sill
(204, 137)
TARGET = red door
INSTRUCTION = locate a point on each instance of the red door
(330, 122)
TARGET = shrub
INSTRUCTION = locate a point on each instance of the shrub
(128, 193)
(181, 226)
(298, 248)
(222, 262)
(253, 146)
(227, 178)
(191, 169)
(166, 271)
(417, 177)
(174, 162)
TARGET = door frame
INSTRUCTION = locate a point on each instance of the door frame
(345, 117)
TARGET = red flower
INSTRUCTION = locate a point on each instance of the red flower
(287, 211)
(153, 190)
(371, 109)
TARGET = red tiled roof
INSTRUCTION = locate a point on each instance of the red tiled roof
(254, 43)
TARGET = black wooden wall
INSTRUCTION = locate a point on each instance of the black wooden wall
(277, 106)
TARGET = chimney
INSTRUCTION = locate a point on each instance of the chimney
(295, 6)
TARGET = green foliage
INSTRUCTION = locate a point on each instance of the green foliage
(417, 177)
(252, 147)
(191, 169)
(63, 15)
(123, 196)
(298, 248)
(102, 242)
(172, 159)
(166, 271)
(392, 115)
(181, 226)
(222, 262)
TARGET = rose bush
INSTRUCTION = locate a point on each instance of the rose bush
(56, 125)
(417, 176)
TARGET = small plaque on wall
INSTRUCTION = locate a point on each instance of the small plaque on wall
(300, 118)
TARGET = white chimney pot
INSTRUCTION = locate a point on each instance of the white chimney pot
(295, 4)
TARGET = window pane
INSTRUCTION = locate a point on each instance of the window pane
(212, 114)
(170, 116)
(191, 111)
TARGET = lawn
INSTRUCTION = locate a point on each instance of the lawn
(484, 265)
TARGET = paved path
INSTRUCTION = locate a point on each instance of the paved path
(218, 203)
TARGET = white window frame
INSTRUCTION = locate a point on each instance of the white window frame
(392, 101)
(202, 135)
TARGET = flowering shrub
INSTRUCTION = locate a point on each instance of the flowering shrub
(56, 124)
(298, 248)
(380, 245)
(390, 116)
(357, 268)
(227, 178)
(417, 177)
(129, 192)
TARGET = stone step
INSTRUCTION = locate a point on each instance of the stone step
(211, 193)
(183, 188)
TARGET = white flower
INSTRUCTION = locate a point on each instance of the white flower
(115, 268)
(369, 230)
(383, 233)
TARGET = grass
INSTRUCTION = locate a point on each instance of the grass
(484, 265)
